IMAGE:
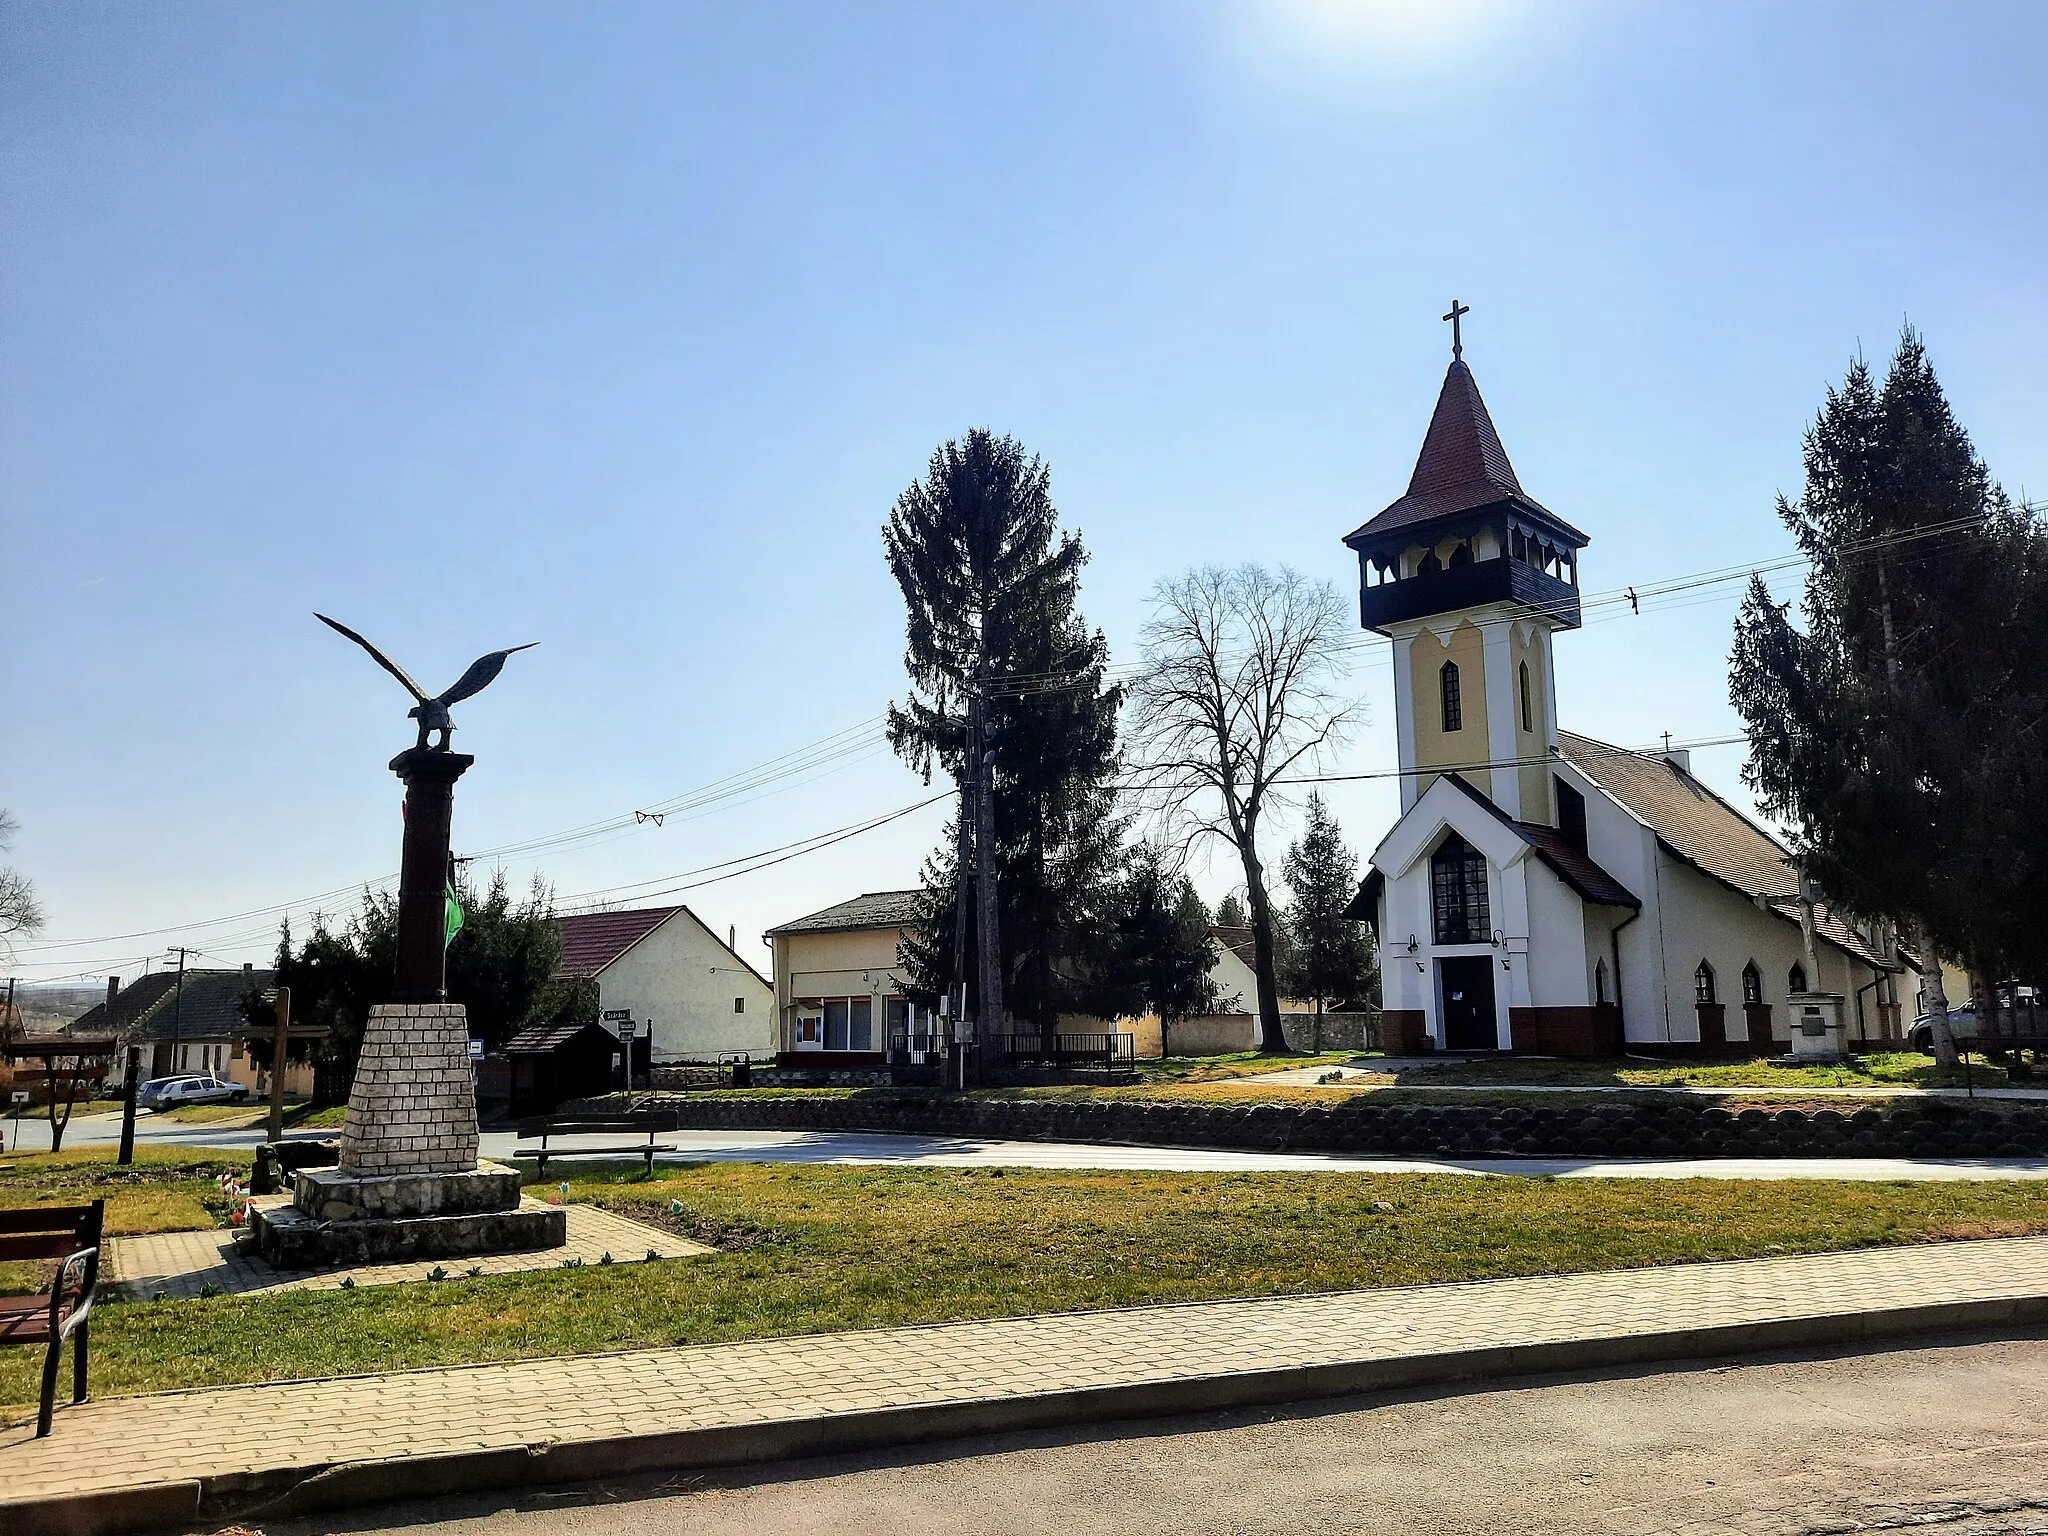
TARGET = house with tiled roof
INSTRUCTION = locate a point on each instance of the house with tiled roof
(195, 1022)
(839, 990)
(1543, 891)
(668, 980)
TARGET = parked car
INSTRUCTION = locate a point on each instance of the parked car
(161, 1093)
(1961, 1021)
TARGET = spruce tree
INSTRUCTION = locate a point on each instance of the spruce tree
(1157, 955)
(991, 589)
(1331, 956)
(1897, 732)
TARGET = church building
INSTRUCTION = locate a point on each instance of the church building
(1542, 891)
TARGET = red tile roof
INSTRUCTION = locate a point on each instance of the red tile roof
(593, 940)
(1462, 465)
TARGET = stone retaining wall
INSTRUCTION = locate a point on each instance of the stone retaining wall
(1935, 1129)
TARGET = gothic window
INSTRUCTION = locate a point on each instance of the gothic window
(1703, 984)
(1457, 888)
(1752, 983)
(1528, 719)
(1462, 555)
(1795, 979)
(1600, 982)
(1428, 564)
(1453, 701)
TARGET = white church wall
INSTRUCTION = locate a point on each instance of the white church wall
(685, 980)
(1555, 965)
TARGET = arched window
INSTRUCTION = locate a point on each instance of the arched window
(1428, 563)
(1518, 546)
(1600, 982)
(1752, 983)
(1528, 719)
(1457, 888)
(1703, 984)
(1795, 979)
(1462, 555)
(1453, 700)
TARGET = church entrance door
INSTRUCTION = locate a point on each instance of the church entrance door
(1467, 992)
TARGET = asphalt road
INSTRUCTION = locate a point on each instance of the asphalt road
(1950, 1438)
(860, 1147)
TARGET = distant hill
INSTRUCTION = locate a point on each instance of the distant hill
(53, 1006)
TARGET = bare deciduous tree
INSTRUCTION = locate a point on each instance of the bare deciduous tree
(21, 915)
(1240, 688)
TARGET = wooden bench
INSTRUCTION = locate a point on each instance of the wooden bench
(531, 1131)
(71, 1235)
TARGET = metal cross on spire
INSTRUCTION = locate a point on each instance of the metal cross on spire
(1458, 311)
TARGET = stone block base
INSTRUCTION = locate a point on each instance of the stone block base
(328, 1194)
(290, 1238)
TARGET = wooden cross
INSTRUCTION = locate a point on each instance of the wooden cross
(1457, 340)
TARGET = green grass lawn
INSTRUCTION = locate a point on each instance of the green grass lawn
(808, 1249)
(240, 1116)
(1889, 1069)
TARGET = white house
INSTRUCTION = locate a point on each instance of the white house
(665, 972)
(1543, 891)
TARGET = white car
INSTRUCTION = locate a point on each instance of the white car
(161, 1093)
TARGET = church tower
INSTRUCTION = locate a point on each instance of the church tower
(1470, 578)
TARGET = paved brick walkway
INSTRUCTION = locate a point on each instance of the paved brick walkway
(222, 1438)
(177, 1265)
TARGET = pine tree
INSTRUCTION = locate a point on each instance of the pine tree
(1158, 955)
(1230, 912)
(991, 588)
(1331, 956)
(1897, 732)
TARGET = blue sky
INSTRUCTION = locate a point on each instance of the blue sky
(619, 327)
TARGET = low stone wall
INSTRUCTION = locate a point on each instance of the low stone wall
(1936, 1129)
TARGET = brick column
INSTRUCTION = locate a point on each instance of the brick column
(413, 1108)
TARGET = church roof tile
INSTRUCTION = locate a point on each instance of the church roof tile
(1462, 466)
(1705, 831)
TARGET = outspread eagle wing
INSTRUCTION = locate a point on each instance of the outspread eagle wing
(480, 675)
(380, 658)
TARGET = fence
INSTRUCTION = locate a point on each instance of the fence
(1062, 1049)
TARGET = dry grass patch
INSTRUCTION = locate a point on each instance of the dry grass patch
(810, 1249)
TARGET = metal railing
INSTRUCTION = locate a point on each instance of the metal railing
(1068, 1050)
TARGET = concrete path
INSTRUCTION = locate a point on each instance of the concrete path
(881, 1148)
(1944, 1438)
(256, 1452)
(174, 1265)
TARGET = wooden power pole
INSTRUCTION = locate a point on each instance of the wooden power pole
(988, 1021)
(282, 1043)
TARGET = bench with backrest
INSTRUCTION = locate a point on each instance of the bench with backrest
(70, 1234)
(534, 1134)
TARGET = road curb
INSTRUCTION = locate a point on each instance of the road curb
(325, 1487)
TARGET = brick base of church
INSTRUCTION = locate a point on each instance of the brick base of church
(1593, 1030)
(1405, 1032)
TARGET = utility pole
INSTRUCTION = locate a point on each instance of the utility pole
(957, 1024)
(178, 1011)
(281, 1043)
(989, 1016)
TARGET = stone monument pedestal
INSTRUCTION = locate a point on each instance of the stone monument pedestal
(409, 1185)
(1816, 1026)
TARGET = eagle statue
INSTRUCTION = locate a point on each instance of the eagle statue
(432, 713)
